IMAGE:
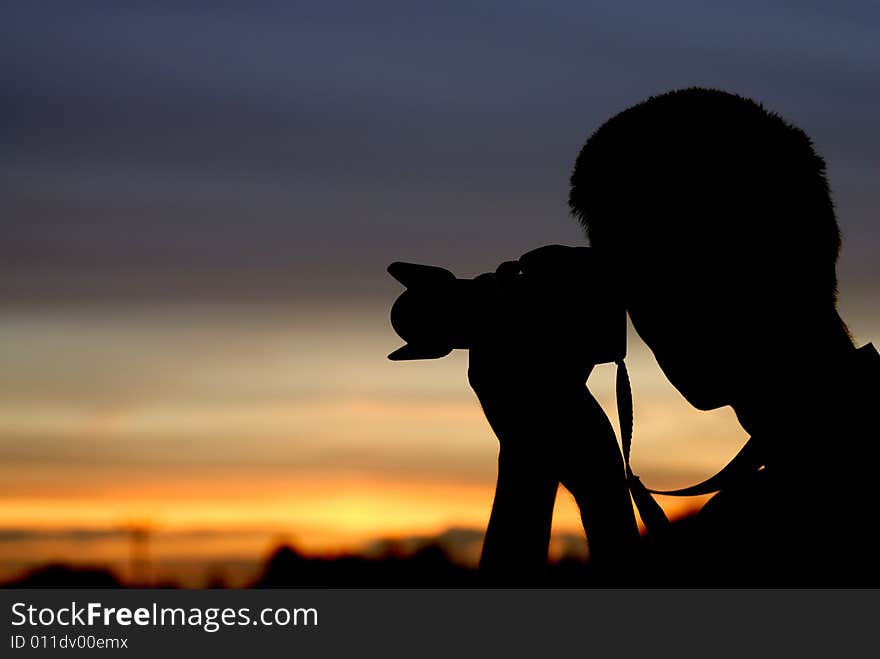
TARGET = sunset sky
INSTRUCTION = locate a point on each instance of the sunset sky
(198, 203)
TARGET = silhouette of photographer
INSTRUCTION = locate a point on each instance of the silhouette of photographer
(714, 222)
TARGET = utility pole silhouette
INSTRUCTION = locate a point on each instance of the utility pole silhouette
(139, 555)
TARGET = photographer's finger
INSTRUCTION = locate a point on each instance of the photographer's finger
(507, 270)
(547, 257)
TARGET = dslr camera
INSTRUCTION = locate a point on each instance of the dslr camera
(562, 298)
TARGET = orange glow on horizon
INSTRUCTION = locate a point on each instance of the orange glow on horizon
(227, 431)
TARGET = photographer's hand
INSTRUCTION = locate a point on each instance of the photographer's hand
(551, 430)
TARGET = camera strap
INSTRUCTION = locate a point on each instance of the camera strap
(745, 462)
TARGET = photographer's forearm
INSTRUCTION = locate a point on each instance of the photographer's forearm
(518, 535)
(608, 518)
(594, 474)
(560, 434)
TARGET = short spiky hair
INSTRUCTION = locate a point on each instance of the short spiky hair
(693, 168)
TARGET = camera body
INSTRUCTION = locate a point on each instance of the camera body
(561, 298)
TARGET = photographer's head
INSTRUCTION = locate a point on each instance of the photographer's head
(718, 214)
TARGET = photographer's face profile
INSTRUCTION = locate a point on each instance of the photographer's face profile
(696, 327)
